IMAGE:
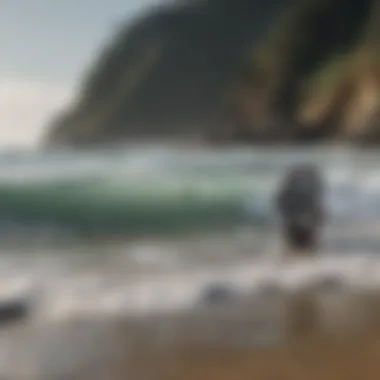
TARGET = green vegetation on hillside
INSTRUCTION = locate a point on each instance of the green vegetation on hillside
(234, 70)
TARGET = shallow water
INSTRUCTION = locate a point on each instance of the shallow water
(65, 215)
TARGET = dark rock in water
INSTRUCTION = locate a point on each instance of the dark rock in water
(217, 293)
(331, 282)
(14, 310)
(269, 288)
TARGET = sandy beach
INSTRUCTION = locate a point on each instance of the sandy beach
(119, 350)
(326, 328)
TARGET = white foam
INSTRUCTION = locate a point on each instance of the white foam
(67, 286)
(162, 293)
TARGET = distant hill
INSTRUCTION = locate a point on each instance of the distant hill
(233, 70)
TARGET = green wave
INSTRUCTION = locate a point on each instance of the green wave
(133, 207)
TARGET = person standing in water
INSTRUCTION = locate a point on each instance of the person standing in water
(300, 206)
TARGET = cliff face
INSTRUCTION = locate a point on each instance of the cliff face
(280, 70)
(315, 77)
(165, 74)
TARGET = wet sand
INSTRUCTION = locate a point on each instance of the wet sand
(337, 339)
(299, 322)
(311, 357)
(309, 352)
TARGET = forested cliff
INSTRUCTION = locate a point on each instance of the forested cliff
(234, 70)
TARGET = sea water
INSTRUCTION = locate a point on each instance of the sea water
(141, 231)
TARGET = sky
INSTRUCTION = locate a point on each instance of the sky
(45, 46)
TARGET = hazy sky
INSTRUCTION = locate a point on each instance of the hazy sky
(44, 46)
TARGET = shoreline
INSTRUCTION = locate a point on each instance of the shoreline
(116, 349)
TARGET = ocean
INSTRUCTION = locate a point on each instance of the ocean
(140, 230)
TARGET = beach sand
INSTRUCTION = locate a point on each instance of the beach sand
(321, 330)
(353, 352)
(321, 343)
